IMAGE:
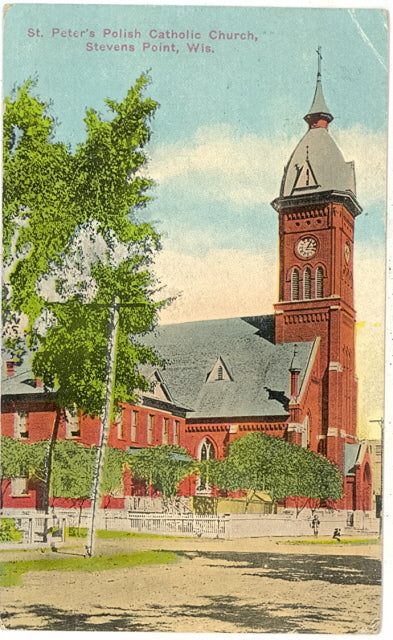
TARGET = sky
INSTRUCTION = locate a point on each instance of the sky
(229, 118)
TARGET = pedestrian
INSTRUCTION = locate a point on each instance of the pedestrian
(315, 525)
(337, 534)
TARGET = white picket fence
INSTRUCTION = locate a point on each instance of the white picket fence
(185, 524)
(226, 526)
(192, 524)
(38, 527)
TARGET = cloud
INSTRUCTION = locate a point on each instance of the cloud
(222, 165)
(229, 283)
(223, 284)
(369, 151)
(218, 164)
(369, 276)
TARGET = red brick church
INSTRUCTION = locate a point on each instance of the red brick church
(290, 375)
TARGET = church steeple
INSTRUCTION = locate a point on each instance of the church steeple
(317, 208)
(317, 165)
(319, 114)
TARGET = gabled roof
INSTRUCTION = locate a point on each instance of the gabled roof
(22, 382)
(258, 380)
(353, 456)
(258, 368)
(158, 388)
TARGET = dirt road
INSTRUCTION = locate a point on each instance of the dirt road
(252, 585)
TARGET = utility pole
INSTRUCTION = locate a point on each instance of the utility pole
(379, 507)
(105, 419)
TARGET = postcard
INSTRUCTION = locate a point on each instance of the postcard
(194, 234)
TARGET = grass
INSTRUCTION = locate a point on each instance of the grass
(81, 532)
(103, 533)
(330, 541)
(11, 572)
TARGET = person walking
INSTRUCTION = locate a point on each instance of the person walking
(315, 525)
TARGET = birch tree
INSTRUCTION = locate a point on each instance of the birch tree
(86, 275)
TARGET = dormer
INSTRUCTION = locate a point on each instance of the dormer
(158, 388)
(219, 372)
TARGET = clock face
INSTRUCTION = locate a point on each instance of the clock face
(347, 252)
(307, 247)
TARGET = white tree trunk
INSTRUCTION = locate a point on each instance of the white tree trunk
(105, 420)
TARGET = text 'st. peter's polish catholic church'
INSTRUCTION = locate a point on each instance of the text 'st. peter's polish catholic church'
(290, 375)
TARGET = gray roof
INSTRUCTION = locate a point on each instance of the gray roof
(259, 377)
(351, 453)
(22, 382)
(319, 151)
(318, 103)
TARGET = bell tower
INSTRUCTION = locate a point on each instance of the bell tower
(317, 208)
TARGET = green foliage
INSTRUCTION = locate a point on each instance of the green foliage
(35, 189)
(8, 531)
(50, 195)
(75, 532)
(11, 572)
(114, 460)
(264, 463)
(73, 354)
(20, 459)
(72, 468)
(160, 467)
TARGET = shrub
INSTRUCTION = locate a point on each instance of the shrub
(76, 532)
(8, 531)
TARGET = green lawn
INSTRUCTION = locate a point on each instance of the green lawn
(330, 541)
(11, 572)
(81, 532)
(103, 533)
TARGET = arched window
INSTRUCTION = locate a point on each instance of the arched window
(306, 433)
(206, 452)
(295, 284)
(307, 284)
(319, 282)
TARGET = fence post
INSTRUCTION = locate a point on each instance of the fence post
(227, 526)
(30, 531)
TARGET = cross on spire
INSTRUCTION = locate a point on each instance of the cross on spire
(319, 60)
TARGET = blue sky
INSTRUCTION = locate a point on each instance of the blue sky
(256, 88)
(227, 124)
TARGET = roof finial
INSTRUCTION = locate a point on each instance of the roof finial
(319, 61)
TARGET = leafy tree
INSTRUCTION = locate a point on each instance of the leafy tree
(163, 466)
(259, 462)
(73, 466)
(79, 259)
(36, 213)
(75, 212)
(20, 459)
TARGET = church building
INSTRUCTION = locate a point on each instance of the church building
(290, 374)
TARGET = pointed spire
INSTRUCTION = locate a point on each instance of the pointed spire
(318, 115)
